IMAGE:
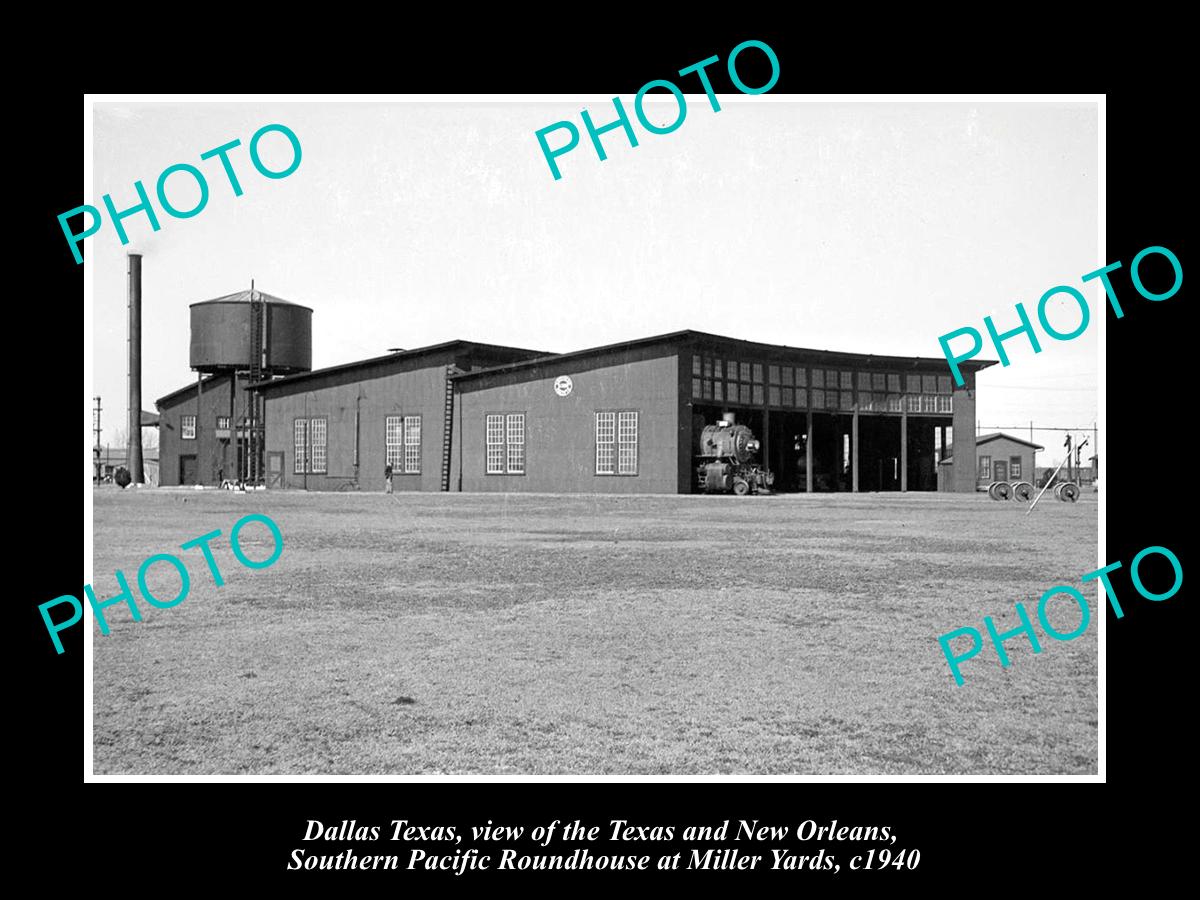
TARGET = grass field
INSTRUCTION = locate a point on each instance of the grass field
(453, 633)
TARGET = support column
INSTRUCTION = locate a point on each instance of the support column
(201, 458)
(854, 451)
(808, 445)
(904, 447)
(766, 441)
(231, 443)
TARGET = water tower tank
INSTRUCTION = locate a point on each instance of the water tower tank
(223, 334)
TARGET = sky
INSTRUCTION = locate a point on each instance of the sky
(862, 227)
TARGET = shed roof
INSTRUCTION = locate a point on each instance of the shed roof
(689, 336)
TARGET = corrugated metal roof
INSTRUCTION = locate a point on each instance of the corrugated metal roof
(984, 438)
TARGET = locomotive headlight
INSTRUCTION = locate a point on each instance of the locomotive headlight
(752, 446)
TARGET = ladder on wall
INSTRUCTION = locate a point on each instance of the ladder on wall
(448, 426)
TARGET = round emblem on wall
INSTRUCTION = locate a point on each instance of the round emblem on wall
(563, 385)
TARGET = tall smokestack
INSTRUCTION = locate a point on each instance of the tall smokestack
(134, 455)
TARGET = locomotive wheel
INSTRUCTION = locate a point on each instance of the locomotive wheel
(1022, 491)
(991, 491)
(1001, 490)
(1070, 492)
(740, 487)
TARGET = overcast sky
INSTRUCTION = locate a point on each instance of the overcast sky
(861, 227)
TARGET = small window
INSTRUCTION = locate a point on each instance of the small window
(893, 383)
(945, 403)
(719, 390)
(943, 384)
(708, 367)
(878, 381)
(929, 384)
(864, 401)
(758, 395)
(718, 369)
(223, 423)
(757, 378)
(708, 389)
(788, 397)
(696, 388)
(864, 381)
(1014, 467)
(928, 403)
(895, 402)
(773, 395)
(187, 428)
(801, 398)
(786, 373)
(745, 371)
(847, 381)
(847, 400)
(695, 365)
(802, 377)
(912, 384)
(773, 374)
(818, 398)
(913, 402)
(744, 394)
(818, 377)
(505, 433)
(985, 467)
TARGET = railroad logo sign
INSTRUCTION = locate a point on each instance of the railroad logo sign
(563, 385)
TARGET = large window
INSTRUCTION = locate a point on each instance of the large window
(412, 445)
(505, 443)
(985, 467)
(301, 445)
(187, 428)
(317, 435)
(402, 440)
(310, 445)
(617, 443)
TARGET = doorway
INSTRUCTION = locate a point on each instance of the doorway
(1000, 470)
(188, 470)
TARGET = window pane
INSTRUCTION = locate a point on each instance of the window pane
(818, 377)
(744, 394)
(929, 384)
(718, 369)
(895, 401)
(1014, 467)
(893, 383)
(695, 365)
(847, 381)
(708, 389)
(847, 400)
(731, 391)
(708, 364)
(412, 444)
(745, 371)
(912, 384)
(627, 441)
(773, 395)
(878, 381)
(818, 399)
(880, 400)
(914, 402)
(718, 390)
(802, 377)
(943, 384)
(786, 373)
(864, 401)
(864, 381)
(758, 373)
(696, 388)
(801, 398)
(758, 395)
(187, 428)
(773, 374)
(945, 403)
(788, 398)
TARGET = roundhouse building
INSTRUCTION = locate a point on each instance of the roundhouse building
(628, 417)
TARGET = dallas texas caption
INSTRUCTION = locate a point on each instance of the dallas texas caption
(713, 858)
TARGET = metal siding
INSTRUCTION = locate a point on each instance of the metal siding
(210, 453)
(963, 447)
(560, 452)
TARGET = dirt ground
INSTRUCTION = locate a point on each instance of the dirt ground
(540, 634)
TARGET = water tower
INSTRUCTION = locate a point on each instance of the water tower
(255, 336)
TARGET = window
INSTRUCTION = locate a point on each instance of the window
(744, 393)
(317, 434)
(757, 373)
(187, 428)
(929, 384)
(223, 423)
(695, 365)
(818, 397)
(758, 395)
(943, 384)
(818, 378)
(1014, 467)
(847, 399)
(393, 434)
(773, 374)
(301, 445)
(495, 445)
(985, 467)
(893, 383)
(912, 384)
(928, 403)
(878, 381)
(745, 371)
(506, 444)
(945, 403)
(786, 372)
(864, 381)
(718, 390)
(913, 402)
(515, 425)
(802, 378)
(847, 381)
(801, 397)
(617, 443)
(788, 397)
(773, 395)
(895, 402)
(627, 443)
(412, 445)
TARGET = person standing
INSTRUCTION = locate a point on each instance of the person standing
(387, 478)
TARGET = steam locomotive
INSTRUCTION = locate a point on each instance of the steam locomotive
(725, 462)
